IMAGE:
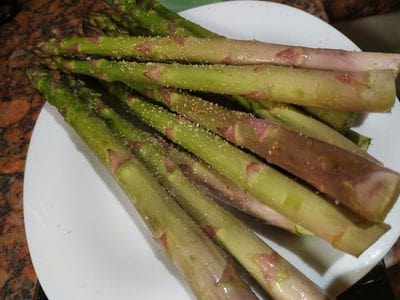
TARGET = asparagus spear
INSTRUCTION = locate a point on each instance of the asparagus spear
(150, 20)
(338, 120)
(292, 118)
(204, 267)
(366, 187)
(362, 141)
(363, 91)
(283, 280)
(126, 23)
(339, 60)
(333, 223)
(195, 29)
(105, 24)
(215, 51)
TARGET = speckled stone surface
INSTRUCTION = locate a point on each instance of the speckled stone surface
(19, 109)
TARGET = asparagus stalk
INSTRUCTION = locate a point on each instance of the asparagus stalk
(219, 51)
(363, 91)
(204, 267)
(149, 20)
(292, 118)
(97, 24)
(362, 141)
(342, 120)
(105, 24)
(366, 187)
(283, 280)
(338, 60)
(195, 29)
(126, 23)
(333, 223)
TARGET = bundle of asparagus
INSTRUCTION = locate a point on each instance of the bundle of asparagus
(352, 186)
(284, 136)
(283, 114)
(207, 271)
(287, 115)
(270, 270)
(203, 176)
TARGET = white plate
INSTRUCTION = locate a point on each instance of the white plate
(86, 242)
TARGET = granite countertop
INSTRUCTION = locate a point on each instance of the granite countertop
(20, 105)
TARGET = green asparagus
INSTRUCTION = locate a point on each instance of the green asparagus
(195, 29)
(206, 50)
(105, 24)
(340, 120)
(292, 118)
(362, 141)
(362, 91)
(150, 20)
